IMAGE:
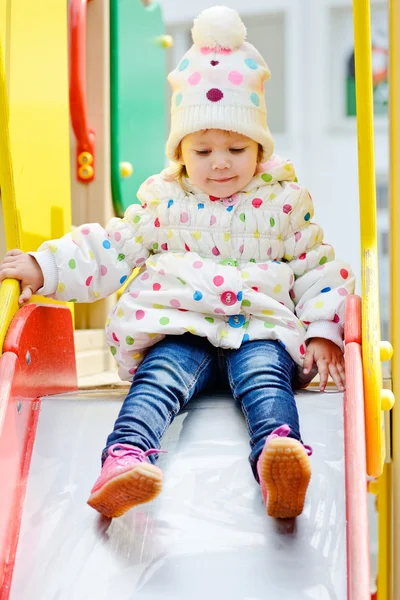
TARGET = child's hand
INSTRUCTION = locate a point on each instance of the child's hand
(18, 265)
(329, 359)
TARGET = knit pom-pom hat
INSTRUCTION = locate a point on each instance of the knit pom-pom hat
(219, 83)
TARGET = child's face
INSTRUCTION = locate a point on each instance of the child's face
(219, 162)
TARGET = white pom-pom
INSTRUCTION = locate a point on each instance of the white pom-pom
(218, 27)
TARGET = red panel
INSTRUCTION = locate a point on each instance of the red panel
(358, 568)
(352, 326)
(38, 360)
(43, 339)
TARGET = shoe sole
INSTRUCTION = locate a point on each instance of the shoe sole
(286, 471)
(137, 486)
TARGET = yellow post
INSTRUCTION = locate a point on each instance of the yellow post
(369, 252)
(394, 100)
(9, 289)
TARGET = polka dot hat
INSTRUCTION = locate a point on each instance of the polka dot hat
(219, 83)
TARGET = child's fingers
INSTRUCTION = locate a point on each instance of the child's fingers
(308, 362)
(334, 373)
(14, 252)
(342, 372)
(8, 272)
(26, 295)
(323, 374)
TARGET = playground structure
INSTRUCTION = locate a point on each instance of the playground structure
(47, 426)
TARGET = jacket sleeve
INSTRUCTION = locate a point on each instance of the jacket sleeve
(321, 283)
(92, 262)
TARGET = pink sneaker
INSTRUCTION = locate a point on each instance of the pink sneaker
(126, 479)
(284, 470)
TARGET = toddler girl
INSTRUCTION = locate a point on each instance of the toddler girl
(235, 282)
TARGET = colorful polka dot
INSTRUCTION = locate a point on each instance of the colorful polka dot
(256, 202)
(139, 315)
(266, 177)
(178, 99)
(218, 280)
(117, 236)
(156, 287)
(72, 264)
(255, 99)
(85, 230)
(215, 251)
(197, 264)
(183, 282)
(214, 95)
(323, 260)
(302, 350)
(184, 217)
(195, 78)
(325, 290)
(267, 312)
(272, 222)
(256, 234)
(114, 337)
(123, 279)
(344, 273)
(61, 288)
(164, 321)
(175, 303)
(336, 319)
(319, 304)
(242, 217)
(197, 296)
(307, 216)
(263, 266)
(113, 350)
(246, 303)
(343, 292)
(213, 220)
(277, 288)
(235, 77)
(145, 276)
(239, 296)
(297, 236)
(269, 325)
(183, 65)
(129, 340)
(200, 206)
(170, 203)
(89, 280)
(209, 319)
(219, 311)
(136, 219)
(287, 208)
(251, 63)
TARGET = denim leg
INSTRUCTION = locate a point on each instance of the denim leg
(173, 371)
(260, 376)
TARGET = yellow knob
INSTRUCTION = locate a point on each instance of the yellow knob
(373, 487)
(387, 399)
(166, 41)
(85, 158)
(386, 351)
(85, 172)
(126, 169)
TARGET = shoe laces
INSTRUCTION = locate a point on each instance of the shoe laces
(283, 431)
(124, 450)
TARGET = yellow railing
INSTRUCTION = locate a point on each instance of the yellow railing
(9, 289)
(394, 117)
(376, 399)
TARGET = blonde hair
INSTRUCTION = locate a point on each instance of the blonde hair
(179, 173)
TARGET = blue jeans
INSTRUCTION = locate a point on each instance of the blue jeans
(259, 374)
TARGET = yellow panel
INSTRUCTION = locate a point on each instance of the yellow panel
(39, 118)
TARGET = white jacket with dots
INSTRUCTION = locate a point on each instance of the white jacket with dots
(250, 267)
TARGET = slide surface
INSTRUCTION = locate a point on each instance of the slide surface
(206, 537)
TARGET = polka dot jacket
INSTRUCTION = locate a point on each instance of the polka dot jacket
(249, 267)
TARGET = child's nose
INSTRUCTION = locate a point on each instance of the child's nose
(221, 162)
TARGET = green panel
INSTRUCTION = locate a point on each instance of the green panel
(137, 74)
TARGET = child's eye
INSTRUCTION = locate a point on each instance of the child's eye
(202, 152)
(237, 150)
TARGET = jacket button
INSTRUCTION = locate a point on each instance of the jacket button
(228, 298)
(236, 321)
